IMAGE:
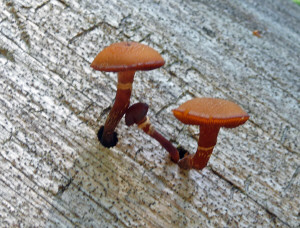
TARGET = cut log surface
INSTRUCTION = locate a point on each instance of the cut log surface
(55, 173)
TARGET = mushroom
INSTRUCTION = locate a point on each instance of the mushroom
(257, 33)
(137, 114)
(210, 114)
(124, 58)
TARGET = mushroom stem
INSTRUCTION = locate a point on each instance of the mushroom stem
(107, 136)
(206, 143)
(137, 114)
(148, 128)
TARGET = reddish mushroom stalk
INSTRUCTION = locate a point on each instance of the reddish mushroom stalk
(206, 143)
(137, 114)
(122, 101)
(148, 128)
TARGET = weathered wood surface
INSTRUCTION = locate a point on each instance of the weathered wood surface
(55, 173)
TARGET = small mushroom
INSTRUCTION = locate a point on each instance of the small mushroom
(257, 33)
(137, 114)
(210, 114)
(124, 58)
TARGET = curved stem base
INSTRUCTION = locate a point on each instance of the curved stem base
(109, 144)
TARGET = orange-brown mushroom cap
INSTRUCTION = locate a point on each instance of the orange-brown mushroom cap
(127, 56)
(211, 111)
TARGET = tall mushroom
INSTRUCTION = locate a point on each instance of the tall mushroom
(137, 114)
(210, 114)
(124, 58)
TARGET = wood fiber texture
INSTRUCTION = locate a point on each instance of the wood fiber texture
(54, 172)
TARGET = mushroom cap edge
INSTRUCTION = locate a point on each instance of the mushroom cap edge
(211, 111)
(127, 56)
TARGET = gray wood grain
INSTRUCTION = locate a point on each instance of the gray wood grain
(54, 172)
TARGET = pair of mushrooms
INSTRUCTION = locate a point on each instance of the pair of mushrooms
(209, 113)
